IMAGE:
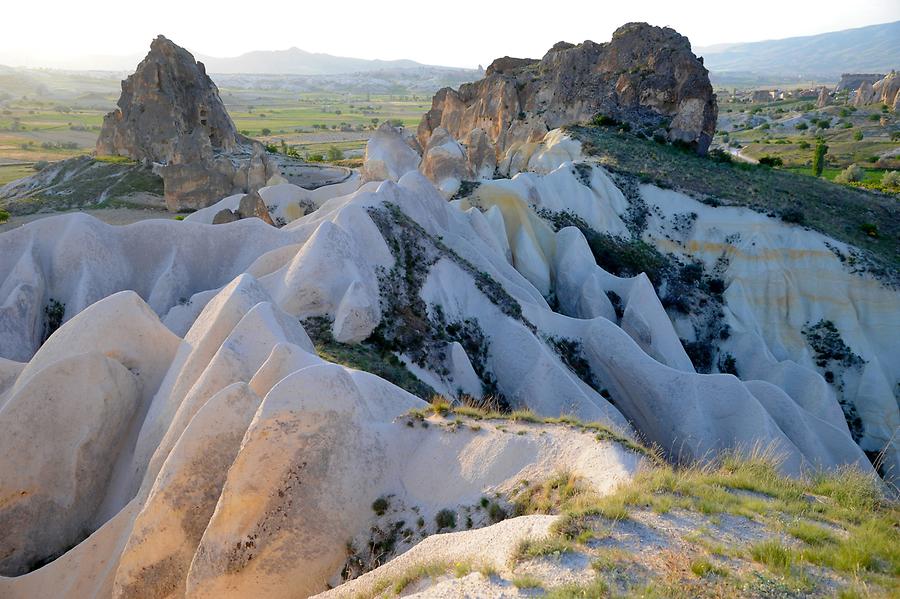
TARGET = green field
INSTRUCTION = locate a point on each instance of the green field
(35, 127)
(789, 130)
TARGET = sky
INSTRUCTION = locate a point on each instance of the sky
(464, 33)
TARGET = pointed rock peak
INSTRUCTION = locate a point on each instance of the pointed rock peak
(168, 97)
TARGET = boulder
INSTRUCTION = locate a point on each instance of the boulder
(252, 205)
(225, 216)
(646, 76)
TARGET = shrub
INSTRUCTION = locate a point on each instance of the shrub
(858, 135)
(445, 519)
(852, 174)
(266, 131)
(793, 215)
(40, 165)
(380, 506)
(54, 312)
(602, 120)
(771, 161)
(4, 216)
(870, 229)
(335, 153)
(801, 126)
(889, 179)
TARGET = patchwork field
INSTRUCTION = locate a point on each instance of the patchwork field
(61, 117)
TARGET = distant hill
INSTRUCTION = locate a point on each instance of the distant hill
(295, 61)
(872, 49)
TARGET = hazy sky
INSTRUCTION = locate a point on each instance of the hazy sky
(67, 33)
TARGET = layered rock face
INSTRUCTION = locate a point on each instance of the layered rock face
(646, 76)
(167, 97)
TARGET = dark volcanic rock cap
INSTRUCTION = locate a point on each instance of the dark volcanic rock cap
(646, 76)
(169, 96)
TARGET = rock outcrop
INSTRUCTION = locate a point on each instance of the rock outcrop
(885, 91)
(251, 206)
(170, 115)
(169, 96)
(852, 81)
(645, 76)
(824, 98)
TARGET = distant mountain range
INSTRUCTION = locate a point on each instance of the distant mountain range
(295, 61)
(872, 49)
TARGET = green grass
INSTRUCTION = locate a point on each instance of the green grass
(526, 581)
(836, 210)
(774, 554)
(603, 433)
(534, 548)
(364, 356)
(13, 172)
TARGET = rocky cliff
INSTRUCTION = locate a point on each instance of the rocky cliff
(167, 97)
(645, 76)
(170, 115)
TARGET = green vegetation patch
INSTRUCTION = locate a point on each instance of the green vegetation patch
(835, 210)
(363, 356)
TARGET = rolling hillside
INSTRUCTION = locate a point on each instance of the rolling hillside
(867, 49)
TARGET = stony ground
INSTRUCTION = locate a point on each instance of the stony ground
(735, 529)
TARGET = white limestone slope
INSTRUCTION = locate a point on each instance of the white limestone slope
(180, 430)
(780, 278)
(241, 467)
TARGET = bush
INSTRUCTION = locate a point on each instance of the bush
(445, 519)
(4, 216)
(793, 215)
(771, 161)
(870, 229)
(40, 165)
(891, 179)
(858, 135)
(380, 506)
(54, 312)
(265, 131)
(801, 126)
(852, 174)
(602, 120)
(335, 153)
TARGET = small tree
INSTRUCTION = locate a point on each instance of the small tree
(819, 159)
(335, 153)
(266, 131)
(858, 135)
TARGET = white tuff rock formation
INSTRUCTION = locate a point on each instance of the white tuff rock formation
(208, 451)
